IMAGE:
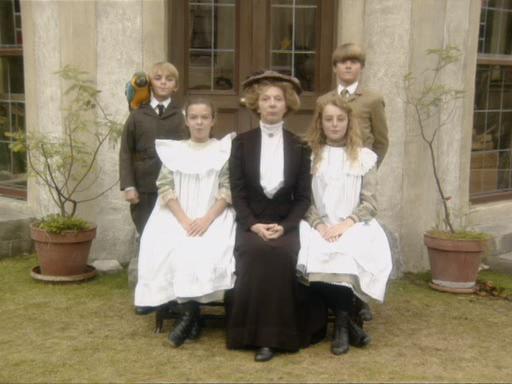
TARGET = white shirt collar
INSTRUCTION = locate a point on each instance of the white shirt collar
(154, 102)
(271, 158)
(351, 88)
(272, 130)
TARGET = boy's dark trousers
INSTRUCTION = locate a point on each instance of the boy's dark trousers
(139, 164)
(142, 210)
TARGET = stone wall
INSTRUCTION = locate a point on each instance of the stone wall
(121, 37)
(396, 34)
(15, 218)
(111, 40)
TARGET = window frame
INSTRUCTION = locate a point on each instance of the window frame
(14, 50)
(501, 60)
(256, 14)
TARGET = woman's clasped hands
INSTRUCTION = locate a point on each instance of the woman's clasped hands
(268, 231)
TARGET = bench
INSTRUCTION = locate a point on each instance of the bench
(171, 312)
(216, 312)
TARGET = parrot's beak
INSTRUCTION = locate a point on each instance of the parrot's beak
(141, 82)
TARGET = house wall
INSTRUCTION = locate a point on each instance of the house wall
(123, 36)
(109, 39)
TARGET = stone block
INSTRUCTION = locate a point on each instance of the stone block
(107, 266)
(21, 246)
(505, 243)
(16, 247)
(499, 255)
(5, 248)
(133, 269)
(502, 263)
(15, 229)
(502, 237)
(396, 255)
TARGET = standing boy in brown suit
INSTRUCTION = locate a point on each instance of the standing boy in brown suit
(368, 106)
(139, 164)
(368, 109)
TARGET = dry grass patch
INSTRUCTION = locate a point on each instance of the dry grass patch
(88, 333)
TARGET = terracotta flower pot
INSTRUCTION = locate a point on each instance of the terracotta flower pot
(62, 254)
(454, 263)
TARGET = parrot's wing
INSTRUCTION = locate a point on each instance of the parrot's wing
(129, 91)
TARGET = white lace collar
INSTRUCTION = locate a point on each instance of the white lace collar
(272, 130)
(366, 160)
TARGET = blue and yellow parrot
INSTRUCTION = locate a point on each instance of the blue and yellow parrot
(137, 90)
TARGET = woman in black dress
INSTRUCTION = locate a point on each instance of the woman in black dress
(270, 184)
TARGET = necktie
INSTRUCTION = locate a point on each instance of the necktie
(345, 94)
(160, 108)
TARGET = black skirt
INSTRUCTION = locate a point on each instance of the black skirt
(268, 307)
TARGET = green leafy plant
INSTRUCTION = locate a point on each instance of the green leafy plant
(427, 95)
(67, 162)
(57, 224)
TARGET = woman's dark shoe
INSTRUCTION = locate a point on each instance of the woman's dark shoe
(340, 343)
(264, 354)
(357, 337)
(184, 325)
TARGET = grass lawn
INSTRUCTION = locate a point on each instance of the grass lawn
(88, 333)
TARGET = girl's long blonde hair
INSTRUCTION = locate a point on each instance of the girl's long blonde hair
(316, 137)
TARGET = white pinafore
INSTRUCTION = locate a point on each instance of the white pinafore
(172, 265)
(361, 257)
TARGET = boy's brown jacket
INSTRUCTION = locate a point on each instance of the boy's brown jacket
(139, 164)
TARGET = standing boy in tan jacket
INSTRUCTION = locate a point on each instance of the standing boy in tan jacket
(368, 106)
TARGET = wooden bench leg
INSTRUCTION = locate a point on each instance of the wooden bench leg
(159, 321)
(169, 311)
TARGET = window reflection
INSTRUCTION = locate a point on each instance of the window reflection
(7, 27)
(496, 28)
(293, 39)
(12, 99)
(491, 169)
(212, 45)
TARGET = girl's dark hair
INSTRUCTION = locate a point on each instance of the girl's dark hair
(200, 100)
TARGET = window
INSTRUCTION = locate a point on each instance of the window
(293, 39)
(491, 155)
(212, 45)
(221, 42)
(287, 40)
(12, 99)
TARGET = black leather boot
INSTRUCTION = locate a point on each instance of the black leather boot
(365, 312)
(140, 310)
(190, 313)
(340, 343)
(357, 337)
(195, 331)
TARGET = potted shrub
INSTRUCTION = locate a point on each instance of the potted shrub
(67, 165)
(454, 253)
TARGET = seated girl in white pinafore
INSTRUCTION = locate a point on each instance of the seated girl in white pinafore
(344, 250)
(186, 249)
